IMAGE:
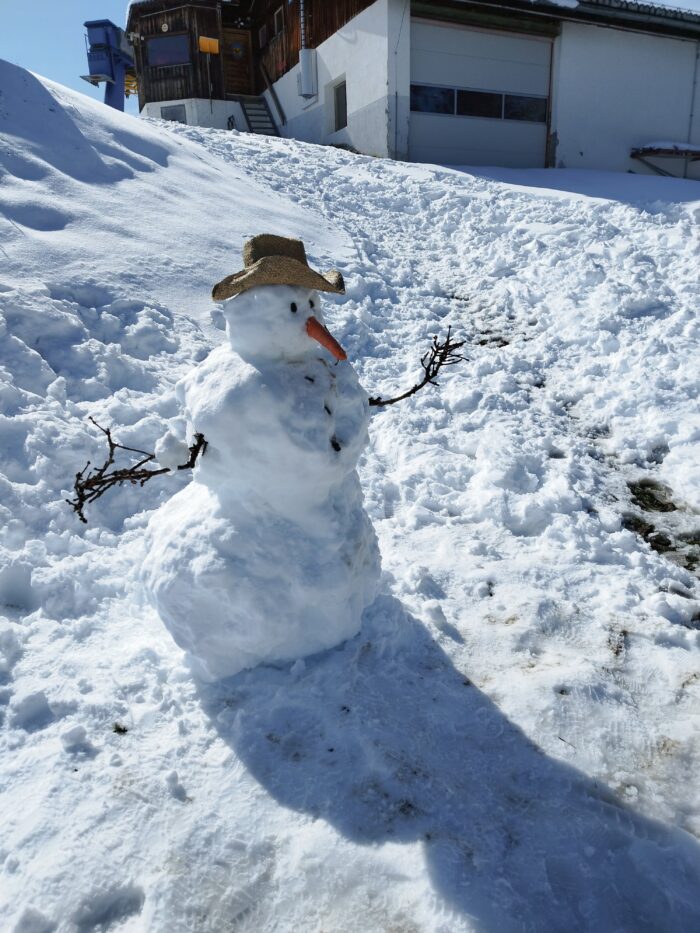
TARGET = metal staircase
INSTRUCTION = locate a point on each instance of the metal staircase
(258, 115)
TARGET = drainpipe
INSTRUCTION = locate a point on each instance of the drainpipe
(692, 105)
(307, 60)
(395, 154)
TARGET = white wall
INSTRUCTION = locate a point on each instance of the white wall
(359, 54)
(203, 113)
(615, 90)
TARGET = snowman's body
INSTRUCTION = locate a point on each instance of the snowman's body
(268, 555)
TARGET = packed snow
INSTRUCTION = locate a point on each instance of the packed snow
(665, 144)
(510, 742)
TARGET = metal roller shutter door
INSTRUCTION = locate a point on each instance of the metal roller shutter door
(513, 66)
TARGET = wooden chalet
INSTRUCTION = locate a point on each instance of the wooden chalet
(257, 41)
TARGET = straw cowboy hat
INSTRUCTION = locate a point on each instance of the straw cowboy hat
(276, 260)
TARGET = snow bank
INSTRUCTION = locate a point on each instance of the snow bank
(100, 258)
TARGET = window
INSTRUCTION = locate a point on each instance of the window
(341, 105)
(279, 20)
(428, 99)
(532, 109)
(479, 104)
(176, 114)
(168, 50)
(262, 37)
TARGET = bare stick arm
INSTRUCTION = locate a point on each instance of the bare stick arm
(438, 356)
(198, 447)
(92, 484)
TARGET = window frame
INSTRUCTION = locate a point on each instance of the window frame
(279, 12)
(338, 126)
(455, 92)
(180, 108)
(166, 38)
(262, 36)
(525, 97)
(439, 89)
(463, 92)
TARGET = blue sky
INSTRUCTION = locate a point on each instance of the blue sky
(46, 36)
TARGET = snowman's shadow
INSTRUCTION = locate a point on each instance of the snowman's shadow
(388, 742)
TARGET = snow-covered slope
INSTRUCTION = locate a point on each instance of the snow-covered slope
(511, 741)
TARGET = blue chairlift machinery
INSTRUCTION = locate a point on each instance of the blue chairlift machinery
(110, 59)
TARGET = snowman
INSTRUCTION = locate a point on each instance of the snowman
(267, 556)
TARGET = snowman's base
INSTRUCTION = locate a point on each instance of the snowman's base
(238, 587)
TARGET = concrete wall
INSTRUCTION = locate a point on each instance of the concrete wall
(202, 113)
(615, 90)
(371, 54)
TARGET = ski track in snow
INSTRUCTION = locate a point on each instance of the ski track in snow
(501, 745)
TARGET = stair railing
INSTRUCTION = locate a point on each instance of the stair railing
(273, 93)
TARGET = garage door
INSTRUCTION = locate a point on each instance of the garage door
(478, 97)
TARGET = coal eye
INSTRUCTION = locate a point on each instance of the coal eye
(293, 307)
(311, 304)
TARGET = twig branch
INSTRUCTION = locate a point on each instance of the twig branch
(92, 484)
(439, 355)
(199, 447)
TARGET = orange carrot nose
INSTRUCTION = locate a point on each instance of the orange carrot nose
(316, 330)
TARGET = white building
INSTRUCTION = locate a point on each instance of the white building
(487, 82)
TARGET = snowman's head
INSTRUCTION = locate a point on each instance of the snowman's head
(282, 322)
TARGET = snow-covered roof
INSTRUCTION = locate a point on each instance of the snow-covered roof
(648, 9)
(655, 10)
(665, 144)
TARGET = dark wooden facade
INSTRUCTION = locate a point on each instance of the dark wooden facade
(280, 52)
(259, 42)
(175, 28)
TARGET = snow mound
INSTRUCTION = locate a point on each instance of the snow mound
(509, 742)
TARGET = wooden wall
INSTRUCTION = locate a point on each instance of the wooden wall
(175, 82)
(209, 18)
(327, 18)
(323, 18)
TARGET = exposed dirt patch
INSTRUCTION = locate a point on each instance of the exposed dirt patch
(662, 523)
(659, 541)
(492, 340)
(651, 496)
(617, 641)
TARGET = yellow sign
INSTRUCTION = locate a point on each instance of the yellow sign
(211, 46)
